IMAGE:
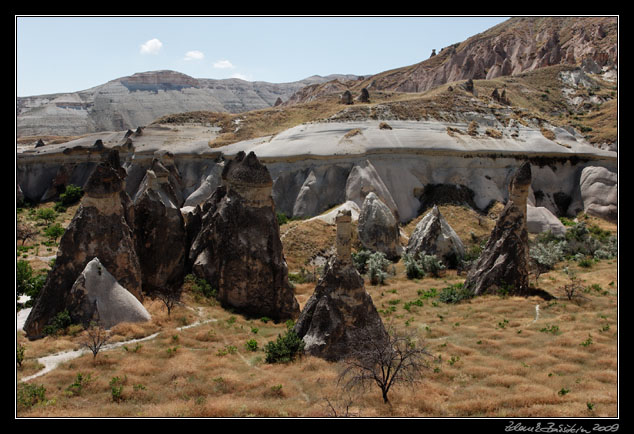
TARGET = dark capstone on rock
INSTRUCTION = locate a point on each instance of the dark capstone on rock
(100, 228)
(238, 249)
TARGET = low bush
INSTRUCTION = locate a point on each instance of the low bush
(285, 348)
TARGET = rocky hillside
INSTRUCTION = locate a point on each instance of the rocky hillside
(137, 100)
(516, 46)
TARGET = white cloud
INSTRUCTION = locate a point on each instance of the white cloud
(223, 64)
(194, 55)
(153, 46)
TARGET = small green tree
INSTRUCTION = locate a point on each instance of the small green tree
(54, 231)
(46, 214)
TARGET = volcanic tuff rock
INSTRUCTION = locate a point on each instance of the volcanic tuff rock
(503, 264)
(101, 227)
(238, 249)
(159, 227)
(340, 312)
(434, 236)
(378, 229)
(97, 296)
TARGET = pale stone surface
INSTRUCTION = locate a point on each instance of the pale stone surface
(378, 229)
(434, 236)
(96, 295)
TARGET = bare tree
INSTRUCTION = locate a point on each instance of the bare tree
(170, 298)
(385, 363)
(25, 232)
(97, 337)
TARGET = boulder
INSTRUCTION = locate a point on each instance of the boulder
(434, 236)
(340, 316)
(539, 219)
(159, 227)
(97, 296)
(238, 249)
(101, 227)
(378, 229)
(599, 192)
(503, 264)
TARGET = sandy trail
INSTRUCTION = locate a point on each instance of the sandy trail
(53, 361)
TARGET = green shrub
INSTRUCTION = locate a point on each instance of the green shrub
(77, 387)
(454, 294)
(413, 267)
(377, 266)
(58, 323)
(116, 389)
(281, 218)
(251, 345)
(27, 283)
(200, 286)
(432, 265)
(285, 348)
(19, 354)
(29, 394)
(54, 231)
(360, 260)
(71, 195)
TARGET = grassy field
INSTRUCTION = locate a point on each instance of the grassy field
(491, 356)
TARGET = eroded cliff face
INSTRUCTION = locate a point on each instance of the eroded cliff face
(315, 167)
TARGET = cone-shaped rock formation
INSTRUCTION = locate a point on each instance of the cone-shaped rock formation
(340, 315)
(503, 264)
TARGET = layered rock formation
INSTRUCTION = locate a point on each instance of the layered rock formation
(434, 236)
(503, 265)
(238, 249)
(96, 296)
(378, 229)
(102, 227)
(139, 99)
(340, 315)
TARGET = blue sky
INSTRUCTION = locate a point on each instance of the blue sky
(72, 53)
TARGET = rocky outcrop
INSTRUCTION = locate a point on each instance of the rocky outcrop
(340, 315)
(364, 95)
(238, 249)
(378, 229)
(159, 227)
(346, 97)
(503, 264)
(434, 236)
(101, 227)
(96, 296)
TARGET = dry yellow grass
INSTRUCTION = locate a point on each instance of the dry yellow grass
(489, 359)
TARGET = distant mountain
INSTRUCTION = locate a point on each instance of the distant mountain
(137, 100)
